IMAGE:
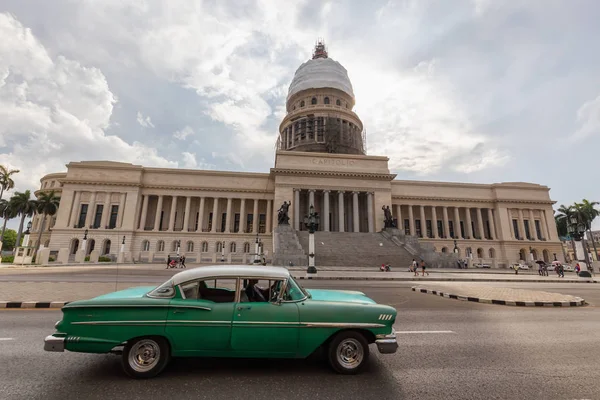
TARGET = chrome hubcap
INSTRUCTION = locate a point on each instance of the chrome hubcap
(144, 355)
(350, 353)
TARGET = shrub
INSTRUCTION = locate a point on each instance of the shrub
(104, 259)
(87, 258)
(8, 259)
(51, 259)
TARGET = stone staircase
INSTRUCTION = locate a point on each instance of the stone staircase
(368, 250)
(419, 250)
(287, 248)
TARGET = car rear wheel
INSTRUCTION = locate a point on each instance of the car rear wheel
(348, 352)
(145, 357)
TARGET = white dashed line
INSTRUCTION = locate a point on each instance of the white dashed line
(5, 339)
(408, 332)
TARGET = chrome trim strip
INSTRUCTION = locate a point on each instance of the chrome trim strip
(340, 325)
(184, 321)
(195, 307)
(155, 322)
(264, 323)
(251, 323)
(115, 305)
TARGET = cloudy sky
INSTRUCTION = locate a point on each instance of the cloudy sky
(463, 90)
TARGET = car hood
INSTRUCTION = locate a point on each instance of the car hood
(131, 293)
(347, 296)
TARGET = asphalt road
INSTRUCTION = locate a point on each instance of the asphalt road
(492, 352)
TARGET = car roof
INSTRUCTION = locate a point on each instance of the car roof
(230, 271)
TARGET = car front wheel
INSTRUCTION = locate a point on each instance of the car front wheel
(145, 357)
(348, 352)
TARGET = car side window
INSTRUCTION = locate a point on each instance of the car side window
(260, 290)
(217, 290)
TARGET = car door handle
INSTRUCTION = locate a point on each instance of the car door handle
(178, 312)
(244, 308)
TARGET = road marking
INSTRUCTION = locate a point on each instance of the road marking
(5, 338)
(408, 332)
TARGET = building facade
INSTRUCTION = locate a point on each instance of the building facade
(321, 161)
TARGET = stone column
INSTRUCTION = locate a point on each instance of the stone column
(457, 231)
(325, 217)
(228, 215)
(158, 212)
(269, 216)
(341, 210)
(213, 229)
(144, 215)
(296, 209)
(105, 210)
(545, 232)
(121, 210)
(355, 220)
(492, 224)
(311, 200)
(521, 224)
(74, 210)
(186, 215)
(399, 217)
(423, 222)
(91, 210)
(255, 217)
(370, 220)
(532, 229)
(242, 227)
(201, 214)
(434, 226)
(411, 220)
(469, 229)
(513, 234)
(172, 214)
(480, 224)
(446, 222)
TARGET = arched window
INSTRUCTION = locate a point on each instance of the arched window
(205, 247)
(190, 246)
(74, 246)
(326, 100)
(174, 245)
(91, 246)
(546, 255)
(302, 103)
(146, 245)
(338, 103)
(492, 253)
(246, 247)
(232, 247)
(219, 247)
(47, 243)
(160, 246)
(313, 101)
(444, 249)
(106, 247)
(468, 252)
(480, 253)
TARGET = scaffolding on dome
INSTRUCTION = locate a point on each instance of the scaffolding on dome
(320, 50)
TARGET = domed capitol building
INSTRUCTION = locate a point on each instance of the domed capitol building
(144, 214)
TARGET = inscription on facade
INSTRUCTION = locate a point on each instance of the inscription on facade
(326, 161)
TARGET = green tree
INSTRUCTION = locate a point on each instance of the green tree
(6, 213)
(22, 205)
(563, 218)
(10, 239)
(47, 204)
(6, 182)
(588, 212)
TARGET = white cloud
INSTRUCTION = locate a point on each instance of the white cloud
(182, 134)
(146, 122)
(588, 120)
(55, 110)
(188, 160)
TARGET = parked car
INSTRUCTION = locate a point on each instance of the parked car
(226, 311)
(482, 265)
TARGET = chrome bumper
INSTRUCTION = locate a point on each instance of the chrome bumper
(53, 343)
(387, 344)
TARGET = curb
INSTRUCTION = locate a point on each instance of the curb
(33, 304)
(578, 302)
(367, 278)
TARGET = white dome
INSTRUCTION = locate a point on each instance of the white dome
(321, 73)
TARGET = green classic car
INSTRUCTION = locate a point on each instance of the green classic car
(226, 311)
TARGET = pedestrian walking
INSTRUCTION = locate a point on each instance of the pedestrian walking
(423, 268)
(545, 271)
(182, 261)
(413, 267)
(168, 261)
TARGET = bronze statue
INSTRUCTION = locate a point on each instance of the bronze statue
(388, 221)
(282, 214)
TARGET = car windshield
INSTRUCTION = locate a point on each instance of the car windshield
(295, 291)
(165, 290)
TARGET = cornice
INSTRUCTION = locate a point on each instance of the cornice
(332, 155)
(100, 183)
(466, 200)
(488, 186)
(333, 189)
(208, 189)
(382, 177)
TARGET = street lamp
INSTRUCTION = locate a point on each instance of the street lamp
(223, 251)
(27, 233)
(256, 250)
(455, 247)
(577, 231)
(84, 242)
(120, 256)
(178, 247)
(311, 222)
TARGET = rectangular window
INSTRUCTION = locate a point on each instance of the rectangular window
(197, 220)
(475, 236)
(249, 223)
(451, 228)
(114, 211)
(418, 228)
(406, 227)
(527, 232)
(223, 221)
(82, 216)
(262, 223)
(488, 229)
(98, 216)
(236, 222)
(462, 229)
(210, 221)
(429, 229)
(440, 228)
(516, 229)
(160, 223)
(538, 229)
(220, 290)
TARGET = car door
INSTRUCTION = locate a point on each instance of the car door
(265, 328)
(200, 317)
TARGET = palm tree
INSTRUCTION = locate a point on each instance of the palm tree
(588, 213)
(6, 182)
(22, 204)
(6, 213)
(563, 219)
(47, 204)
